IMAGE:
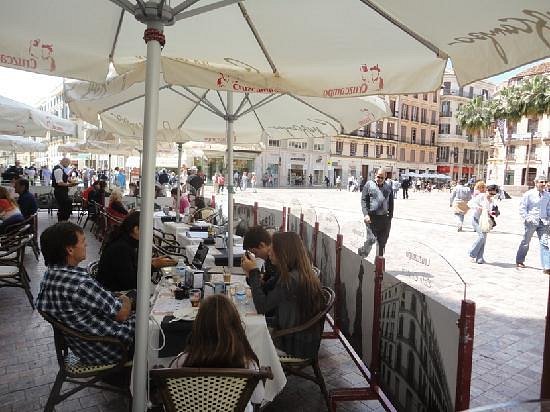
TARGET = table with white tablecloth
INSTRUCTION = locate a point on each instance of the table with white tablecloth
(255, 328)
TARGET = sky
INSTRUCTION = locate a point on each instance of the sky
(30, 88)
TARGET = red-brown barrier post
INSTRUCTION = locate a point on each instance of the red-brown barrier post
(379, 268)
(337, 283)
(545, 380)
(314, 239)
(465, 351)
(255, 213)
(283, 225)
(302, 226)
(287, 219)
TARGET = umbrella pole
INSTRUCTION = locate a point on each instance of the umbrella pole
(150, 120)
(109, 174)
(229, 137)
(178, 197)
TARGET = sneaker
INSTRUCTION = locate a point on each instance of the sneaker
(459, 229)
(520, 265)
(480, 261)
(473, 259)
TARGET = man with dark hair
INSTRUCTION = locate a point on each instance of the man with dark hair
(71, 296)
(61, 184)
(26, 200)
(258, 241)
(14, 171)
(377, 205)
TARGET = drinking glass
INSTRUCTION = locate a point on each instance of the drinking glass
(195, 297)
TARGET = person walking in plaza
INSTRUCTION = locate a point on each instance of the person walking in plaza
(253, 182)
(338, 183)
(377, 205)
(530, 212)
(121, 180)
(405, 187)
(395, 187)
(459, 202)
(483, 209)
(61, 184)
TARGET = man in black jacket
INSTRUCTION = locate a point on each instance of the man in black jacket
(405, 186)
(26, 200)
(257, 240)
(377, 205)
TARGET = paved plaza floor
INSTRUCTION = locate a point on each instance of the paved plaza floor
(511, 305)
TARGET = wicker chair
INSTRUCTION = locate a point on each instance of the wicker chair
(12, 267)
(207, 390)
(207, 214)
(294, 366)
(92, 268)
(28, 226)
(74, 372)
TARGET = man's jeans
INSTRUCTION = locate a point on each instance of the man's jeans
(523, 248)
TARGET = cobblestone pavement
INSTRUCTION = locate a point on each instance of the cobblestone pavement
(28, 364)
(510, 302)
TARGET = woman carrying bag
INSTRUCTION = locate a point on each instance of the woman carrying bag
(483, 219)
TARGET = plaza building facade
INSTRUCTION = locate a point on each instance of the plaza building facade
(521, 150)
(459, 154)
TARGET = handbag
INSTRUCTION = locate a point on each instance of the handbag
(484, 221)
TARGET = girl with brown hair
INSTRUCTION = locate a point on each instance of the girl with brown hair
(217, 339)
(296, 297)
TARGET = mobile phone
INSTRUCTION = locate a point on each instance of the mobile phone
(249, 255)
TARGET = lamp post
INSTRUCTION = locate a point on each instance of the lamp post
(528, 158)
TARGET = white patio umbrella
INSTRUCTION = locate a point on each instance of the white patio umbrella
(194, 114)
(19, 144)
(372, 47)
(19, 119)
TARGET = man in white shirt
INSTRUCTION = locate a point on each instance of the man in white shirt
(61, 184)
(530, 212)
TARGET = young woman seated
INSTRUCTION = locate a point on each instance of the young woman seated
(184, 201)
(295, 297)
(116, 208)
(9, 211)
(119, 261)
(218, 341)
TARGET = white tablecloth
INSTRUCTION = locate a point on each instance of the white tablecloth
(175, 227)
(255, 329)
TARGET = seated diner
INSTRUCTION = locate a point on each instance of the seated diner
(295, 297)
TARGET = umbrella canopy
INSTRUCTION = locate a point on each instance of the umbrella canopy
(265, 44)
(194, 114)
(120, 149)
(20, 144)
(19, 119)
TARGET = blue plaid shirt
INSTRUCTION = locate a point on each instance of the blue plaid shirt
(71, 296)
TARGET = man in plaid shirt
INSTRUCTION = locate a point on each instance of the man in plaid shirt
(71, 296)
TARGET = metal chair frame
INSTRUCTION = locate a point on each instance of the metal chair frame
(296, 366)
(20, 279)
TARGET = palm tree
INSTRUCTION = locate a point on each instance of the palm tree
(535, 101)
(507, 106)
(475, 117)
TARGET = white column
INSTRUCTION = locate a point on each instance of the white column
(147, 191)
(229, 137)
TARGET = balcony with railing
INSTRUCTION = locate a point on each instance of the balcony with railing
(446, 113)
(462, 93)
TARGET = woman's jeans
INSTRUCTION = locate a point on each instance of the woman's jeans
(476, 252)
(459, 219)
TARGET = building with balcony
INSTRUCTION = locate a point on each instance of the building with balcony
(459, 154)
(525, 153)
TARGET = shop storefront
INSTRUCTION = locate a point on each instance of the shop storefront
(295, 175)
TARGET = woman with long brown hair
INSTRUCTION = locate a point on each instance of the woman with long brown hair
(217, 339)
(296, 297)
